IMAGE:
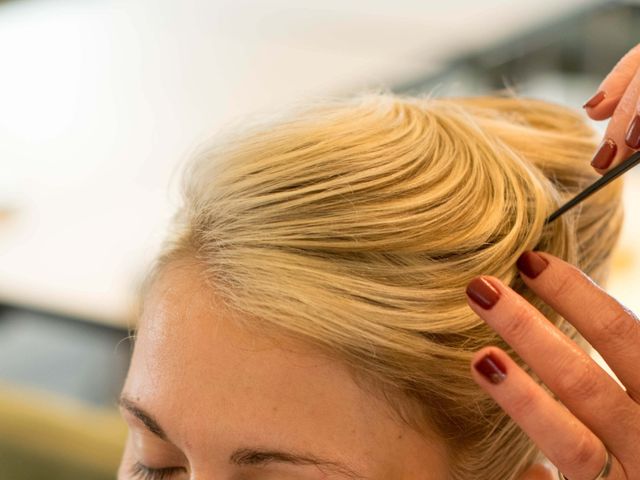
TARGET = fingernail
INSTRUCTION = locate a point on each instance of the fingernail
(491, 368)
(603, 157)
(633, 134)
(482, 292)
(595, 100)
(531, 264)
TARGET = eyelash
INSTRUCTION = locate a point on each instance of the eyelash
(143, 472)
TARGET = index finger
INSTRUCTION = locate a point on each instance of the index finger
(622, 136)
(612, 88)
(608, 326)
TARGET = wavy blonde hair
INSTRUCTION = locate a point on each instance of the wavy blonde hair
(355, 224)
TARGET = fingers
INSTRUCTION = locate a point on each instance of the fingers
(587, 390)
(539, 472)
(618, 97)
(566, 441)
(601, 105)
(608, 326)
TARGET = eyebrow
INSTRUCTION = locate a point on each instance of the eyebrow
(148, 420)
(247, 456)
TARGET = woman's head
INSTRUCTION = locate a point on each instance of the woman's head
(312, 292)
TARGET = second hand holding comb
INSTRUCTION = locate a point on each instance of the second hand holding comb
(608, 177)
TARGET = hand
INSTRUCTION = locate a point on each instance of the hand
(618, 95)
(599, 413)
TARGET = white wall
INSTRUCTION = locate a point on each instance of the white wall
(101, 100)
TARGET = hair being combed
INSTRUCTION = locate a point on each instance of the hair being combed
(356, 224)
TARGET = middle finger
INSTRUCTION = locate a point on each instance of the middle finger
(609, 327)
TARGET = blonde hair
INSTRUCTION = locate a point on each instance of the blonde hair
(356, 224)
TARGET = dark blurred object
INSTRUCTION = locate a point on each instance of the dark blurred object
(74, 358)
(46, 437)
(59, 379)
(587, 44)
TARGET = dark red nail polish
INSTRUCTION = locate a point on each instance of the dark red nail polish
(483, 293)
(595, 100)
(633, 134)
(603, 157)
(491, 368)
(531, 264)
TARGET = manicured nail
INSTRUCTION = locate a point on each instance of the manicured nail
(531, 264)
(595, 100)
(603, 157)
(633, 134)
(491, 368)
(483, 293)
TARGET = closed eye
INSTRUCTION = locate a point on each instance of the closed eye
(142, 472)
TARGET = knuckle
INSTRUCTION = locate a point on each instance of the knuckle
(570, 283)
(585, 451)
(518, 327)
(524, 403)
(565, 284)
(579, 384)
(620, 325)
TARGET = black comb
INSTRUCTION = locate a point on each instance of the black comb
(608, 177)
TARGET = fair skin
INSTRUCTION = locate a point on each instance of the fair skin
(206, 399)
(618, 98)
(596, 412)
(201, 387)
(213, 387)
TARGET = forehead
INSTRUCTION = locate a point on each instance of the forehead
(210, 382)
(186, 330)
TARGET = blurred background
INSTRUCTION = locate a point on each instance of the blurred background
(100, 103)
